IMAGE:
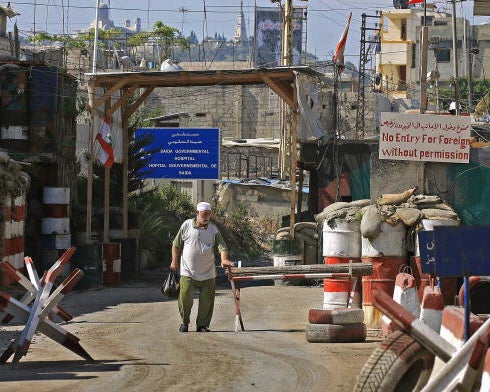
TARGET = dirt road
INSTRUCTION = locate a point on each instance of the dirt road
(132, 333)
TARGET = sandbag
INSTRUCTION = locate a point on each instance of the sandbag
(370, 223)
(360, 203)
(409, 216)
(433, 213)
(396, 198)
(328, 209)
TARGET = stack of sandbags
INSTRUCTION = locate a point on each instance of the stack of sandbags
(306, 232)
(346, 211)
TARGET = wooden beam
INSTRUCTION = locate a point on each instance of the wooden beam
(355, 269)
(123, 99)
(131, 109)
(280, 89)
(107, 95)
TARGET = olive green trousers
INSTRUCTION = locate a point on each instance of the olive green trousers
(207, 290)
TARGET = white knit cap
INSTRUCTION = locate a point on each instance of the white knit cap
(203, 206)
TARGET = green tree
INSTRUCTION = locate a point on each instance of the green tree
(480, 89)
(164, 37)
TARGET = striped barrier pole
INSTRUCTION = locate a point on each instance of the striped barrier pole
(290, 276)
(17, 276)
(422, 333)
(47, 327)
(236, 296)
(455, 360)
(474, 368)
(31, 271)
(64, 288)
(457, 363)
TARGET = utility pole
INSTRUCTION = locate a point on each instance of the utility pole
(286, 61)
(424, 44)
(455, 60)
(363, 59)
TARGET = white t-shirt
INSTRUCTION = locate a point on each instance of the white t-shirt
(197, 260)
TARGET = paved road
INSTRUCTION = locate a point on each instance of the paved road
(131, 332)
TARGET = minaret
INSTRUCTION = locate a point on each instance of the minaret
(240, 31)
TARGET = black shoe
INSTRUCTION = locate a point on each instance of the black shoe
(184, 328)
(203, 329)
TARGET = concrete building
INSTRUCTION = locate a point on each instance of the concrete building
(398, 55)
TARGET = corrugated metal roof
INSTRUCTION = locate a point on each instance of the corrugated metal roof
(481, 8)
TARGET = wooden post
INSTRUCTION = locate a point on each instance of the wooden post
(107, 183)
(107, 187)
(125, 203)
(90, 163)
(293, 164)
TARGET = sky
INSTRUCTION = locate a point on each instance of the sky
(326, 18)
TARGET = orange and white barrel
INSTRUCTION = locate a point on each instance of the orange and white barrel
(111, 268)
(341, 244)
(55, 224)
(341, 292)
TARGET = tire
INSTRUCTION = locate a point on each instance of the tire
(335, 333)
(400, 364)
(335, 316)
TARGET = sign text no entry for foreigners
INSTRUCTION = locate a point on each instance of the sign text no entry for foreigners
(424, 137)
(179, 153)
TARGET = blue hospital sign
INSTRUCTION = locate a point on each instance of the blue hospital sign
(178, 153)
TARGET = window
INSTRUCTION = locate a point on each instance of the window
(403, 30)
(440, 23)
(429, 21)
(443, 55)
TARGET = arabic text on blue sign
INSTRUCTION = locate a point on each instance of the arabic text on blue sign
(179, 153)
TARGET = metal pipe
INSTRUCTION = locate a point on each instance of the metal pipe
(455, 59)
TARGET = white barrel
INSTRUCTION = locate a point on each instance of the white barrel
(429, 224)
(53, 195)
(342, 239)
(55, 226)
(389, 242)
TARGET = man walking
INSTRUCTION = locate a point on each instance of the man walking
(194, 246)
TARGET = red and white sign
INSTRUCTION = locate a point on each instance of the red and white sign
(424, 137)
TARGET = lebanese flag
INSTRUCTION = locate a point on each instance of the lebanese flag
(415, 1)
(106, 155)
(338, 56)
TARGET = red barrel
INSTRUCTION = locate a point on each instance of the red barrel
(336, 292)
(111, 254)
(383, 278)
